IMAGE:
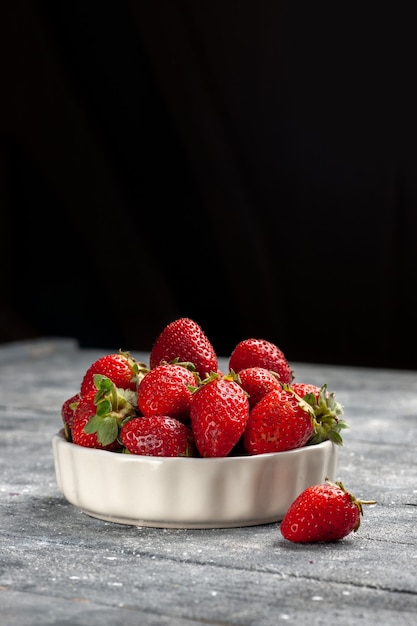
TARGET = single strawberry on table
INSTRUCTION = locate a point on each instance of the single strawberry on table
(184, 340)
(261, 353)
(219, 412)
(157, 435)
(322, 513)
(166, 390)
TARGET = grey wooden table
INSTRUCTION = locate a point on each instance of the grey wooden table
(60, 566)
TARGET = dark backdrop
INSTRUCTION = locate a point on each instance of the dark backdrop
(250, 165)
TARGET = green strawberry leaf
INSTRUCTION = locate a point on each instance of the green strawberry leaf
(104, 407)
(93, 424)
(108, 430)
(103, 383)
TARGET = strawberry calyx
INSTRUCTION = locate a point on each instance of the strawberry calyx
(138, 367)
(325, 412)
(204, 381)
(353, 499)
(231, 375)
(114, 405)
(187, 364)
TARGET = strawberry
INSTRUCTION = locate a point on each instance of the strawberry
(67, 412)
(257, 382)
(303, 389)
(327, 411)
(99, 416)
(122, 369)
(278, 422)
(322, 513)
(157, 435)
(219, 411)
(86, 409)
(166, 390)
(260, 353)
(184, 340)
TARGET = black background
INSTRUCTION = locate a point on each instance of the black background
(249, 165)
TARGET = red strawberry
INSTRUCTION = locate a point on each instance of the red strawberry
(68, 410)
(184, 340)
(122, 369)
(257, 382)
(260, 353)
(157, 435)
(324, 512)
(219, 411)
(166, 390)
(303, 389)
(84, 412)
(278, 422)
(102, 414)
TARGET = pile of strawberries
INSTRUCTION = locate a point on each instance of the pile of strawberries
(181, 404)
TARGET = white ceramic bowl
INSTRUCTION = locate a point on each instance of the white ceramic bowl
(173, 492)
